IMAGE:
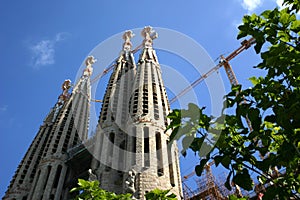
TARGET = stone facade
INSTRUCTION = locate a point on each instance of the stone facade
(130, 151)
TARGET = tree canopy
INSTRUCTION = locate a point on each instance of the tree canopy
(270, 146)
(90, 190)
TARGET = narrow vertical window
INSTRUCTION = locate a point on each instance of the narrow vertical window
(47, 176)
(36, 180)
(155, 102)
(57, 176)
(171, 171)
(160, 169)
(110, 150)
(133, 150)
(146, 147)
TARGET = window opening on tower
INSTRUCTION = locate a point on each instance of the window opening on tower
(155, 102)
(145, 99)
(159, 156)
(146, 147)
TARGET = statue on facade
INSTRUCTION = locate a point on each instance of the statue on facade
(149, 35)
(92, 176)
(65, 90)
(130, 182)
(127, 37)
(89, 63)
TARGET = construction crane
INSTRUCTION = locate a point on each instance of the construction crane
(207, 168)
(228, 69)
(224, 62)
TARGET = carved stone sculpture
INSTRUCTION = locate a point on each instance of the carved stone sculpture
(89, 69)
(127, 43)
(130, 182)
(149, 35)
(92, 176)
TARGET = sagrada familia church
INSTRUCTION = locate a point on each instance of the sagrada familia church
(130, 151)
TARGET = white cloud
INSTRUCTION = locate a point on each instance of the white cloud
(43, 52)
(251, 5)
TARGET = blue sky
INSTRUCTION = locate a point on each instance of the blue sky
(45, 42)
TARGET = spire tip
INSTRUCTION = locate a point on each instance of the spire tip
(127, 37)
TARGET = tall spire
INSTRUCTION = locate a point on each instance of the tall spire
(111, 133)
(70, 127)
(27, 171)
(132, 145)
(155, 159)
(119, 87)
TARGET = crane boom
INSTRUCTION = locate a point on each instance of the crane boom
(207, 168)
(224, 62)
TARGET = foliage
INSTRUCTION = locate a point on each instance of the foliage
(233, 197)
(272, 106)
(160, 195)
(90, 190)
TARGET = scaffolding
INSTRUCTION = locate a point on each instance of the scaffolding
(208, 187)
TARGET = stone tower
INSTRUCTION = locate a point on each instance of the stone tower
(112, 139)
(133, 148)
(130, 152)
(42, 171)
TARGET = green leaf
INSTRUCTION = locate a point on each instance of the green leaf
(83, 183)
(199, 168)
(244, 180)
(296, 26)
(270, 194)
(233, 197)
(226, 161)
(74, 190)
(254, 80)
(186, 142)
(266, 13)
(228, 182)
(243, 31)
(205, 149)
(254, 116)
(196, 144)
(218, 160)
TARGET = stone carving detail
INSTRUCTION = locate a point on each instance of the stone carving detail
(92, 176)
(130, 182)
(88, 63)
(127, 37)
(65, 90)
(149, 35)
